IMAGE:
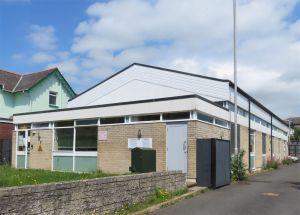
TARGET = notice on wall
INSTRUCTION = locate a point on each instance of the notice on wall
(102, 135)
(139, 142)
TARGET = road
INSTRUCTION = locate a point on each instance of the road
(275, 193)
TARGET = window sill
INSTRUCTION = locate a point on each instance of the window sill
(53, 106)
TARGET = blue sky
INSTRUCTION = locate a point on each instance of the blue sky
(89, 40)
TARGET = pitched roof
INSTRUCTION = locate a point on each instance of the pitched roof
(14, 82)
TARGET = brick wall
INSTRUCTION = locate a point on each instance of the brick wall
(244, 144)
(99, 196)
(199, 130)
(41, 153)
(114, 155)
(6, 131)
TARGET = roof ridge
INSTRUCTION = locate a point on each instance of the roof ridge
(17, 83)
(40, 71)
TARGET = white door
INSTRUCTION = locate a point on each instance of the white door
(177, 146)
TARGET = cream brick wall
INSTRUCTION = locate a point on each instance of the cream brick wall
(41, 159)
(199, 130)
(13, 149)
(244, 144)
(113, 153)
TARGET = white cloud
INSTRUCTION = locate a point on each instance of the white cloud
(42, 57)
(194, 36)
(43, 37)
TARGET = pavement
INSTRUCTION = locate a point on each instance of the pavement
(276, 193)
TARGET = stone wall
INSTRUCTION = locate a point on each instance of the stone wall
(97, 196)
(114, 155)
(200, 130)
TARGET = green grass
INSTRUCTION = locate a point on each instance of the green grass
(10, 177)
(159, 197)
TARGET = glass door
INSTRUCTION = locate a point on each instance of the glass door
(23, 149)
(252, 149)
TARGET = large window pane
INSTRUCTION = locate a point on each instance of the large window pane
(221, 122)
(145, 118)
(112, 120)
(176, 116)
(204, 117)
(87, 122)
(63, 139)
(86, 138)
(64, 123)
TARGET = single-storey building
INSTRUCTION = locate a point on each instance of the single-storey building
(152, 107)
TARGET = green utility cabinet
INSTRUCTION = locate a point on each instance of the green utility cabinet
(143, 160)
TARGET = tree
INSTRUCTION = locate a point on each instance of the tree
(295, 137)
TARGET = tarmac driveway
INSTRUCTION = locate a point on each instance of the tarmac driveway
(276, 192)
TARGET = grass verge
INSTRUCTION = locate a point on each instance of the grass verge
(10, 177)
(159, 197)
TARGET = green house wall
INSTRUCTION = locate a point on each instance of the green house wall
(35, 99)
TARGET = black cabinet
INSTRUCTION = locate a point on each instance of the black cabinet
(213, 162)
(143, 160)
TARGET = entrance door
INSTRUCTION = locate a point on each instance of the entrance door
(177, 146)
(252, 150)
(23, 149)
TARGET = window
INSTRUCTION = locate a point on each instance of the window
(86, 138)
(64, 123)
(221, 122)
(264, 142)
(252, 141)
(87, 122)
(176, 116)
(145, 118)
(63, 139)
(205, 118)
(113, 120)
(52, 98)
(40, 125)
(21, 141)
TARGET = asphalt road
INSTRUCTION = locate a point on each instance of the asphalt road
(276, 192)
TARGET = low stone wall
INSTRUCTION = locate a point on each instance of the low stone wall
(99, 196)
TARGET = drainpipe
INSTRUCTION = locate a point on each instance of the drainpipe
(271, 137)
(249, 132)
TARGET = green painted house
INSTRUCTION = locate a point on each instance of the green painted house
(20, 93)
(45, 90)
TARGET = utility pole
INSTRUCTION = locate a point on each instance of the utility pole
(235, 79)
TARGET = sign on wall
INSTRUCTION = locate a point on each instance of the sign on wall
(139, 142)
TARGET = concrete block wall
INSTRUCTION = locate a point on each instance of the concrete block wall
(41, 151)
(97, 196)
(114, 155)
(244, 144)
(200, 130)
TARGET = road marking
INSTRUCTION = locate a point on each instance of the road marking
(271, 194)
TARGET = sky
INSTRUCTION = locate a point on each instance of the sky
(90, 40)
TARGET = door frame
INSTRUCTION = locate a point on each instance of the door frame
(186, 144)
(25, 152)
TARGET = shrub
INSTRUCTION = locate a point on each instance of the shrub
(272, 164)
(287, 161)
(238, 168)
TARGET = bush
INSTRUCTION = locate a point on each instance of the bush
(287, 161)
(238, 168)
(272, 164)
